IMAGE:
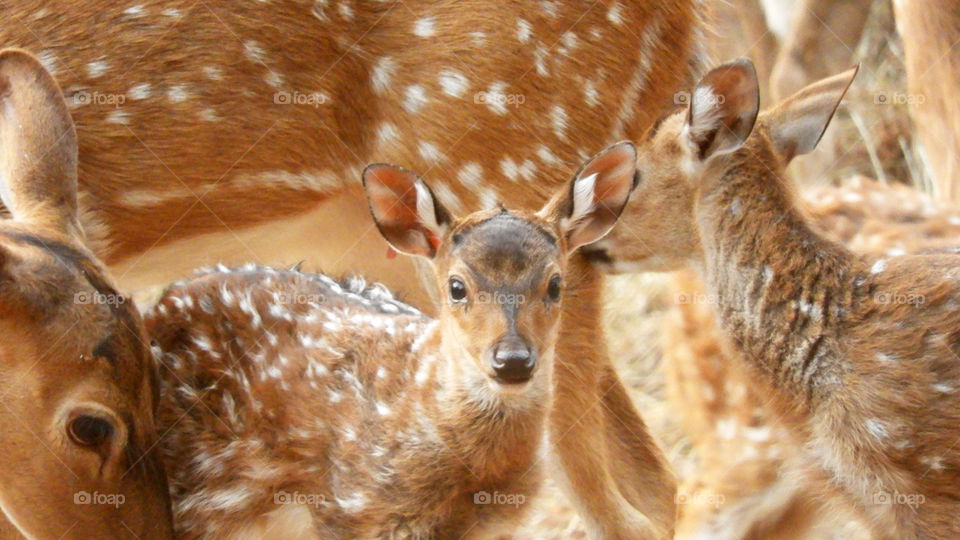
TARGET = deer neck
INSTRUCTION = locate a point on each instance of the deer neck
(780, 290)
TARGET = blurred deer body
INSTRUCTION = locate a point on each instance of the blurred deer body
(78, 387)
(865, 378)
(299, 405)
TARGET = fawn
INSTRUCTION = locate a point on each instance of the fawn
(862, 351)
(301, 406)
(77, 387)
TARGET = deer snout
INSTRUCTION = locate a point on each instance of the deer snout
(513, 360)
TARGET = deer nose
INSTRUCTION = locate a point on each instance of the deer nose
(513, 361)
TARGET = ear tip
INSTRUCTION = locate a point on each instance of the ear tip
(622, 146)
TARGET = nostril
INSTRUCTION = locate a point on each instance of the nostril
(513, 362)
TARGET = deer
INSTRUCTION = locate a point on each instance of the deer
(78, 388)
(739, 488)
(300, 406)
(869, 376)
(234, 133)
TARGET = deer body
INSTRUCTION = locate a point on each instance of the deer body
(867, 378)
(393, 424)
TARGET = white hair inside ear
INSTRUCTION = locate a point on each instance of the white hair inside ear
(425, 208)
(583, 199)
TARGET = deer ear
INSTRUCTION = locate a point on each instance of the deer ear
(406, 212)
(587, 208)
(797, 123)
(38, 145)
(723, 109)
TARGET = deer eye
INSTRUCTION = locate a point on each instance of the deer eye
(86, 430)
(553, 288)
(458, 291)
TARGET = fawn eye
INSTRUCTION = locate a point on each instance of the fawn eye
(88, 430)
(553, 288)
(458, 291)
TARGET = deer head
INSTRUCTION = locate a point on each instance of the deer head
(719, 129)
(501, 272)
(77, 386)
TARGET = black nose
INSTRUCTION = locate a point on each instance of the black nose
(513, 361)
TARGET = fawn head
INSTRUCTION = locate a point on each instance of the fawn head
(501, 272)
(691, 147)
(77, 386)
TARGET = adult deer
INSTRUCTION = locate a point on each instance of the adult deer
(235, 132)
(741, 487)
(297, 406)
(78, 389)
(861, 350)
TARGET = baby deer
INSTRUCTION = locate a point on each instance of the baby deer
(299, 406)
(862, 351)
(78, 390)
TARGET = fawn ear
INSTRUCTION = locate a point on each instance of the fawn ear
(723, 109)
(590, 205)
(406, 212)
(38, 146)
(797, 123)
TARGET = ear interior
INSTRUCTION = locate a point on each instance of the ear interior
(591, 204)
(38, 145)
(406, 212)
(798, 123)
(723, 109)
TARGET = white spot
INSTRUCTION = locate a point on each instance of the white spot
(178, 93)
(498, 104)
(546, 156)
(896, 252)
(424, 27)
(213, 73)
(726, 428)
(757, 434)
(488, 198)
(570, 42)
(134, 11)
(430, 152)
(941, 387)
(523, 30)
(49, 61)
(414, 98)
(886, 358)
(173, 13)
(353, 503)
(386, 132)
(381, 373)
(558, 117)
(935, 463)
(447, 198)
(615, 15)
(527, 169)
(735, 207)
(97, 68)
(954, 220)
(253, 51)
(470, 175)
(851, 197)
(118, 116)
(453, 84)
(509, 168)
(550, 8)
(209, 115)
(878, 266)
(382, 409)
(345, 11)
(479, 39)
(877, 428)
(273, 78)
(540, 60)
(139, 91)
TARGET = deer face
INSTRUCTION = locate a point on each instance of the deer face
(501, 273)
(688, 149)
(77, 385)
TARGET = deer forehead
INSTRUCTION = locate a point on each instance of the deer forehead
(505, 250)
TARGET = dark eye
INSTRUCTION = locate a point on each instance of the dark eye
(89, 430)
(553, 288)
(458, 291)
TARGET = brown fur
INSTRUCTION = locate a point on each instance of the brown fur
(870, 381)
(78, 387)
